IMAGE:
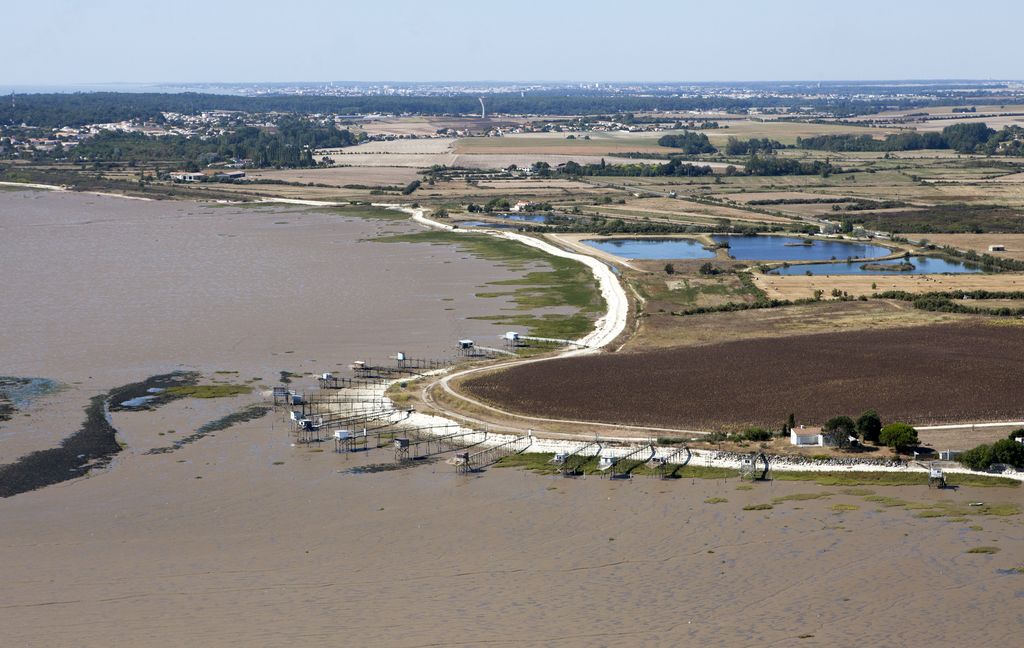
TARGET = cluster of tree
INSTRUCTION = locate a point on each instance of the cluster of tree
(963, 138)
(770, 165)
(909, 141)
(1008, 451)
(290, 144)
(841, 429)
(958, 301)
(673, 167)
(753, 146)
(691, 143)
(411, 187)
(492, 205)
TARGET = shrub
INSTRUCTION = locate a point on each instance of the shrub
(759, 434)
(977, 458)
(1008, 451)
(898, 436)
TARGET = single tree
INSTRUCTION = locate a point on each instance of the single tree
(869, 426)
(898, 436)
(838, 430)
(670, 269)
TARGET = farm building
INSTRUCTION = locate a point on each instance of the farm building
(806, 436)
(997, 248)
(188, 176)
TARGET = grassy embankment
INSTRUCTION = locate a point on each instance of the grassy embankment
(566, 284)
(364, 211)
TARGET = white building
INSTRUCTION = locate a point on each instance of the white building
(188, 176)
(805, 436)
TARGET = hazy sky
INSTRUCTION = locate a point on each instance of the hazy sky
(65, 42)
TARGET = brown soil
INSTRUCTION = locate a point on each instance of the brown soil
(946, 373)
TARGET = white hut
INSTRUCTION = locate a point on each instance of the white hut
(805, 436)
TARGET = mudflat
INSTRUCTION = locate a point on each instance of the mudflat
(100, 292)
(222, 544)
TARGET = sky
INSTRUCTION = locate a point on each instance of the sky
(72, 42)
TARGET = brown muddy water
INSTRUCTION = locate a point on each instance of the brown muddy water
(245, 539)
(101, 291)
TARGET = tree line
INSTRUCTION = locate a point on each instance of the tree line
(962, 138)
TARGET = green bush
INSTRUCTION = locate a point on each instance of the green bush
(977, 458)
(757, 434)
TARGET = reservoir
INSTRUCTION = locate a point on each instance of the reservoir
(922, 265)
(789, 248)
(653, 248)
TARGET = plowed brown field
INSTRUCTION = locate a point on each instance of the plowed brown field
(948, 373)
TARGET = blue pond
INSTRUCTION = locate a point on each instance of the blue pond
(922, 265)
(653, 248)
(486, 224)
(788, 248)
(526, 218)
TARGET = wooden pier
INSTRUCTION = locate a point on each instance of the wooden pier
(678, 458)
(571, 463)
(623, 467)
(489, 456)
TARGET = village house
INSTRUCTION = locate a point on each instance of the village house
(188, 176)
(806, 436)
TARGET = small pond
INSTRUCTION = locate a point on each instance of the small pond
(922, 265)
(789, 248)
(486, 224)
(653, 248)
(525, 218)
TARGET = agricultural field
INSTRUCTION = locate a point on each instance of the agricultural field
(599, 144)
(946, 219)
(803, 286)
(340, 176)
(1014, 243)
(934, 374)
(659, 329)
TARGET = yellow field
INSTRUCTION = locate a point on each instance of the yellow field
(1014, 243)
(803, 286)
